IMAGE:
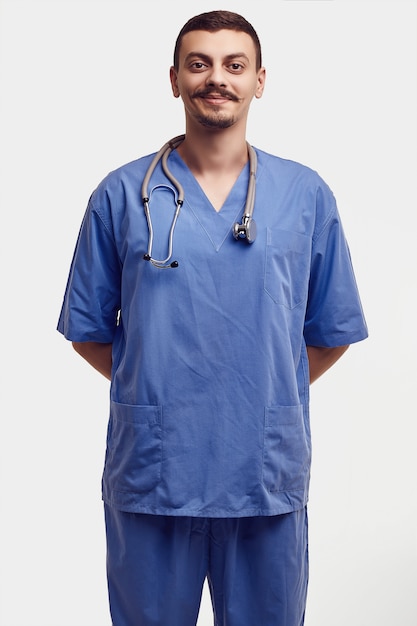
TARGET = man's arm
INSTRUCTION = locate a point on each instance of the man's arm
(96, 354)
(99, 356)
(321, 359)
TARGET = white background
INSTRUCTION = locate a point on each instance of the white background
(84, 88)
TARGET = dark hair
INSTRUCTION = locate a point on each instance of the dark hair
(218, 20)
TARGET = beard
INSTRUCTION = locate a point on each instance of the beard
(216, 121)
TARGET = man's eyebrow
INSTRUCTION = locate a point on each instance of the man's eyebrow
(206, 57)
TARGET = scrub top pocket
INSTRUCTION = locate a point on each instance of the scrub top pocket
(287, 267)
(286, 455)
(134, 448)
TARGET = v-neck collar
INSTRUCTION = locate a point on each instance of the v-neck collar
(216, 224)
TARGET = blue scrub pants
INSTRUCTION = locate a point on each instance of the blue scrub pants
(256, 567)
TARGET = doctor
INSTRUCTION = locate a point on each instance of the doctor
(210, 360)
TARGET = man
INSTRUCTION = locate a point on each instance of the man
(210, 348)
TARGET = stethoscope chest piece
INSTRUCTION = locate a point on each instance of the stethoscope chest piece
(245, 230)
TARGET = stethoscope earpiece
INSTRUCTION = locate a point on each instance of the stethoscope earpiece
(245, 230)
(160, 264)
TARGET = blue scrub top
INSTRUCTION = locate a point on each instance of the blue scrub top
(210, 384)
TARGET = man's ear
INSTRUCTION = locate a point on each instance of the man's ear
(261, 83)
(174, 82)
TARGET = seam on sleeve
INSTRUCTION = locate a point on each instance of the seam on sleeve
(332, 213)
(109, 231)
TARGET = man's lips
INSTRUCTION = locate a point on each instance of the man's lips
(215, 99)
(215, 95)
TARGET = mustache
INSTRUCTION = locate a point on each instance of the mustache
(209, 91)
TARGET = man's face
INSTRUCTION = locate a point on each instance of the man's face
(217, 77)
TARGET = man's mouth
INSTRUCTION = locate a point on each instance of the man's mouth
(215, 95)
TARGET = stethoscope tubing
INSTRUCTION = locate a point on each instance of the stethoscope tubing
(245, 230)
(162, 155)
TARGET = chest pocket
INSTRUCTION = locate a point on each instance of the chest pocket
(287, 267)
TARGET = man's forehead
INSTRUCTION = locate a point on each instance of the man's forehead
(221, 42)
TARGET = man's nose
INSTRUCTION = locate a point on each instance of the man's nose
(217, 76)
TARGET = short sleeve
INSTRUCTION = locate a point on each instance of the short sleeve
(334, 315)
(92, 296)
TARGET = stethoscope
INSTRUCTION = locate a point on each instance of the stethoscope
(245, 230)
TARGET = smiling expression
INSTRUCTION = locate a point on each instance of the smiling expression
(217, 77)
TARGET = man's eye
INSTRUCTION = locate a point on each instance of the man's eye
(198, 65)
(236, 67)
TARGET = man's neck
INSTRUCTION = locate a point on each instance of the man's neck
(214, 152)
(216, 160)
